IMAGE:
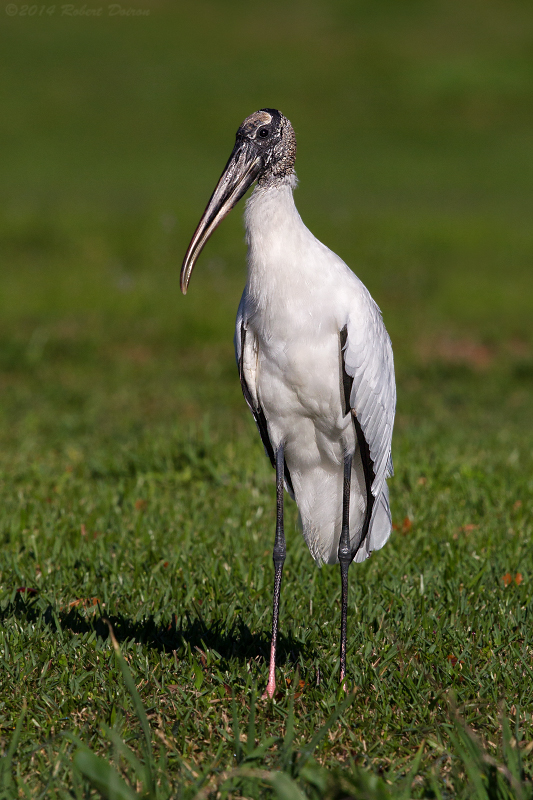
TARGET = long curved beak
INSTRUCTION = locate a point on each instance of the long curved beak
(240, 172)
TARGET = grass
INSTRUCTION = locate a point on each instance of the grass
(133, 485)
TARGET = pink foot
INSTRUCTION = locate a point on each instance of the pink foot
(343, 681)
(271, 685)
(270, 690)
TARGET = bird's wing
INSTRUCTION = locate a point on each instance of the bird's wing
(246, 356)
(370, 389)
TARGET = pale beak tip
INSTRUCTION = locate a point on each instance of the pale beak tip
(184, 280)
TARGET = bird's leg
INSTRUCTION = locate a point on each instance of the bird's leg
(278, 558)
(345, 559)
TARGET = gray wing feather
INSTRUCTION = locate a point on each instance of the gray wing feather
(369, 361)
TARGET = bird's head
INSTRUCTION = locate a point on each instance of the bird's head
(272, 136)
(265, 150)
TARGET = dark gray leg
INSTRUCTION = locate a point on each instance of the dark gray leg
(279, 558)
(345, 559)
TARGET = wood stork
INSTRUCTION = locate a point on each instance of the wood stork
(315, 363)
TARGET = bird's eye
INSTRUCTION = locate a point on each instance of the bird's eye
(263, 133)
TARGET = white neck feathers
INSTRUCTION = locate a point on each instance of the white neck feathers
(275, 234)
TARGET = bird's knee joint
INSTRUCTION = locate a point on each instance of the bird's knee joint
(345, 556)
(278, 556)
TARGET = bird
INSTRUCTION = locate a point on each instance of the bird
(315, 363)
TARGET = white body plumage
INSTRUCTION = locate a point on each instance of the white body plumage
(298, 297)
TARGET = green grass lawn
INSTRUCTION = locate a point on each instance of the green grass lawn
(133, 485)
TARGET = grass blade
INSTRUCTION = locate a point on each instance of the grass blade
(285, 788)
(406, 792)
(103, 776)
(250, 743)
(6, 762)
(470, 755)
(236, 730)
(138, 705)
(287, 751)
(123, 750)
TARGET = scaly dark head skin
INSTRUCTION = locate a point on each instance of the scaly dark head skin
(265, 150)
(274, 138)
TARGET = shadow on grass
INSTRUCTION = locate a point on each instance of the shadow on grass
(179, 635)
